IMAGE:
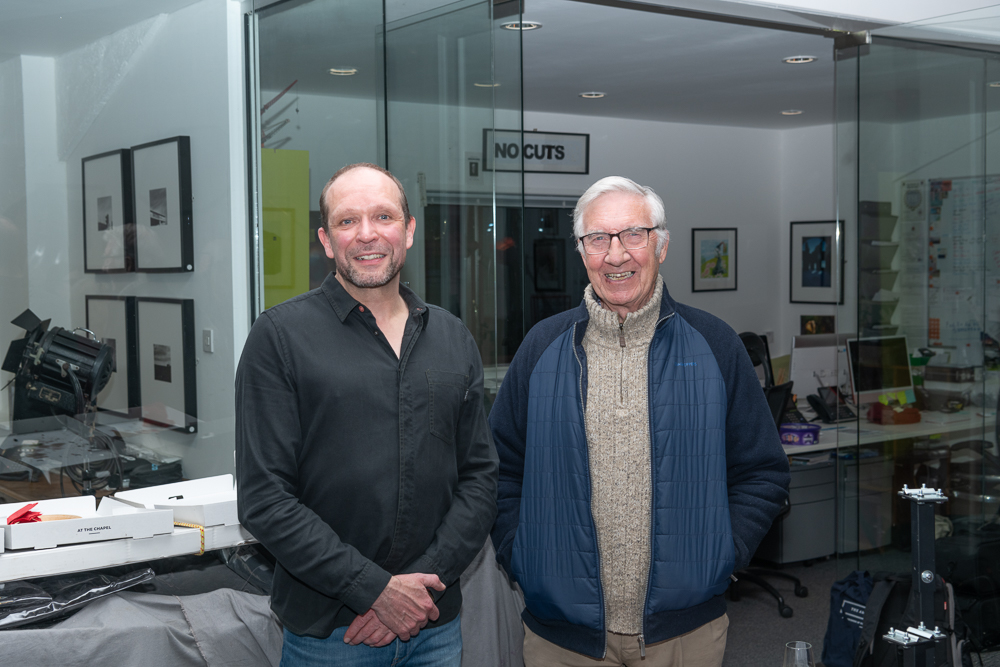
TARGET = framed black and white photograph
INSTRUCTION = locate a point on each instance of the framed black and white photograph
(166, 358)
(816, 262)
(713, 259)
(550, 265)
(161, 180)
(108, 229)
(112, 320)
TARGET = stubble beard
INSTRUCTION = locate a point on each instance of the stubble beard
(367, 280)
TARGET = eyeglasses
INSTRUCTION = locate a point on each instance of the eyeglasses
(632, 238)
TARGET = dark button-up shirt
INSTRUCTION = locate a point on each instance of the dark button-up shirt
(354, 464)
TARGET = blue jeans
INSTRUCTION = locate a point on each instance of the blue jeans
(437, 647)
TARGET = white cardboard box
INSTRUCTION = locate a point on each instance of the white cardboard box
(210, 501)
(26, 564)
(111, 520)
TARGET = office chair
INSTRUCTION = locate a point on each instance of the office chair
(777, 399)
(760, 355)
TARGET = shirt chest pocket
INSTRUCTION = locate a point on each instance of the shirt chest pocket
(446, 392)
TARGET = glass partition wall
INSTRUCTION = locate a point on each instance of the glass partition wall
(116, 210)
(414, 91)
(919, 189)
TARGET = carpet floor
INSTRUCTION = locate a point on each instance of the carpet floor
(758, 633)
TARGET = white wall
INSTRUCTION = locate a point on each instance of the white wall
(708, 176)
(45, 174)
(950, 147)
(809, 193)
(335, 130)
(186, 79)
(13, 213)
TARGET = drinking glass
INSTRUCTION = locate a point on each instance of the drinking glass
(799, 654)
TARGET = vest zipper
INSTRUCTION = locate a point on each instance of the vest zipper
(590, 494)
(652, 482)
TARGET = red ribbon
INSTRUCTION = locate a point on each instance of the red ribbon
(24, 515)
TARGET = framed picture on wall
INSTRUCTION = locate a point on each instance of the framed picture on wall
(166, 354)
(112, 320)
(161, 183)
(108, 229)
(816, 263)
(713, 259)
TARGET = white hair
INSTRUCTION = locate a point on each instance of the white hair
(654, 207)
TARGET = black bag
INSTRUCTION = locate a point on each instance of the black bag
(847, 614)
(891, 605)
(971, 562)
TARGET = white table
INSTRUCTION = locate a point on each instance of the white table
(862, 432)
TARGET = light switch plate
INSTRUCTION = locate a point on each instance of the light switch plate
(207, 340)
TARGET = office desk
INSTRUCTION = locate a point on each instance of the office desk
(848, 504)
(25, 491)
(862, 432)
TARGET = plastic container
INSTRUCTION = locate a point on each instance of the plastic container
(798, 433)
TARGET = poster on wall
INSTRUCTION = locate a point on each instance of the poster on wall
(816, 262)
(161, 183)
(108, 229)
(817, 324)
(713, 259)
(544, 152)
(166, 354)
(112, 321)
(963, 272)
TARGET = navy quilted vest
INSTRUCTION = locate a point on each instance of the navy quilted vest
(555, 556)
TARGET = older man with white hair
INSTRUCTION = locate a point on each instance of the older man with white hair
(639, 463)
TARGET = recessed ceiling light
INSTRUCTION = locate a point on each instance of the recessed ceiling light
(791, 112)
(521, 25)
(994, 84)
(486, 85)
(799, 60)
(593, 95)
(343, 71)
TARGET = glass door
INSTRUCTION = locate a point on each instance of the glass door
(452, 75)
(416, 92)
(919, 188)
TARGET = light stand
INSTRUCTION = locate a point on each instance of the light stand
(915, 646)
(59, 374)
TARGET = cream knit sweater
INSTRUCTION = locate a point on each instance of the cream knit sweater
(618, 440)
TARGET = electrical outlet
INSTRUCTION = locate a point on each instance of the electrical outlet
(207, 340)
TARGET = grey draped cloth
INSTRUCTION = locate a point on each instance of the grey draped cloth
(230, 628)
(492, 632)
(216, 629)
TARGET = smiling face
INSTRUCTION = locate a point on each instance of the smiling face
(623, 279)
(366, 232)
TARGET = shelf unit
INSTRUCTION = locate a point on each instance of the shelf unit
(877, 299)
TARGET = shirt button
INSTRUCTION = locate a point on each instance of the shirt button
(361, 308)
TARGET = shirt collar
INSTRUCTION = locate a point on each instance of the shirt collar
(343, 303)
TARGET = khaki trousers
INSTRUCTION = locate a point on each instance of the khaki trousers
(702, 647)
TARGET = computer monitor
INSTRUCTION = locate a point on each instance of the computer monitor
(880, 367)
(819, 360)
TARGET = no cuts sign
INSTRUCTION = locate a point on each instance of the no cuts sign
(550, 152)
